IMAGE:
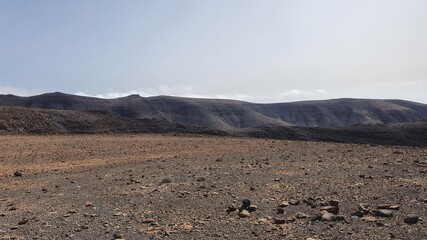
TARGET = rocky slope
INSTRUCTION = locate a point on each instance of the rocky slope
(28, 121)
(231, 115)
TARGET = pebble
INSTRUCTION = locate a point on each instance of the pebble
(364, 208)
(334, 203)
(23, 221)
(327, 216)
(284, 204)
(391, 207)
(118, 236)
(301, 215)
(279, 221)
(148, 220)
(187, 227)
(382, 213)
(330, 209)
(411, 219)
(72, 211)
(263, 221)
(369, 219)
(165, 180)
(17, 173)
(244, 213)
(246, 203)
(358, 214)
(231, 208)
(252, 208)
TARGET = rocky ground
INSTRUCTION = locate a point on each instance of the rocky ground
(198, 187)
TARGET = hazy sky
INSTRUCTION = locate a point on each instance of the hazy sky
(259, 51)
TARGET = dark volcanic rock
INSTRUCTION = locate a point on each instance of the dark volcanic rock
(411, 219)
(17, 173)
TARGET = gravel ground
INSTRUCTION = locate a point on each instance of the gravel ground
(197, 187)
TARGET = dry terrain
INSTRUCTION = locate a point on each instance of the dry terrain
(198, 187)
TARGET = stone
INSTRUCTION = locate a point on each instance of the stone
(72, 211)
(369, 219)
(17, 173)
(148, 220)
(263, 221)
(334, 202)
(279, 221)
(165, 181)
(359, 214)
(118, 236)
(364, 208)
(231, 208)
(388, 206)
(382, 213)
(187, 227)
(327, 216)
(23, 221)
(301, 215)
(310, 202)
(246, 203)
(330, 209)
(244, 214)
(201, 179)
(284, 204)
(411, 219)
(252, 208)
(294, 202)
(88, 203)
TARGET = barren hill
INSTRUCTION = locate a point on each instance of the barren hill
(346, 120)
(231, 115)
(18, 120)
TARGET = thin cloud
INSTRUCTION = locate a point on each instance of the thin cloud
(15, 91)
(401, 83)
(299, 92)
(193, 92)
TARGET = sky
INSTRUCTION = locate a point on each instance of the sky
(257, 51)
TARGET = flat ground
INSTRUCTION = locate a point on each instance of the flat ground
(179, 187)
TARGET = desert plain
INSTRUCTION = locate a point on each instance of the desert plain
(154, 186)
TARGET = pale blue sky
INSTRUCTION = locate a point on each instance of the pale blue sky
(259, 51)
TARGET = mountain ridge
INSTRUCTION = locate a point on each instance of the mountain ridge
(231, 115)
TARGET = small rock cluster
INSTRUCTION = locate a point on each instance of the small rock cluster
(371, 214)
(329, 211)
(245, 210)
